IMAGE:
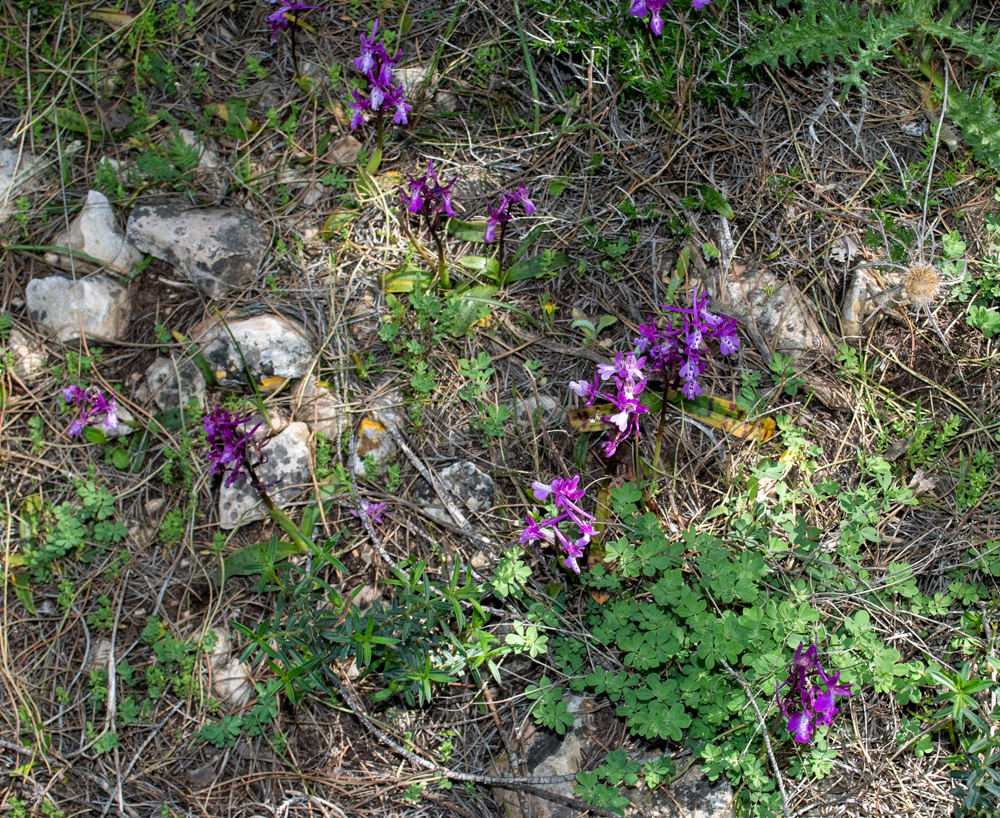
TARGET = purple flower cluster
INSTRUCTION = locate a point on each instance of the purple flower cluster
(227, 443)
(427, 196)
(501, 214)
(807, 704)
(278, 21)
(640, 8)
(677, 350)
(373, 511)
(93, 406)
(376, 64)
(566, 496)
(629, 380)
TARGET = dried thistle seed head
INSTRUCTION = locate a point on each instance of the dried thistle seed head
(921, 285)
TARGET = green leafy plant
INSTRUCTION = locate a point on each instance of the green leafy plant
(863, 40)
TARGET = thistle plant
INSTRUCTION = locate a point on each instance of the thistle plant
(93, 408)
(500, 215)
(280, 20)
(807, 704)
(376, 64)
(426, 196)
(565, 495)
(640, 8)
(630, 381)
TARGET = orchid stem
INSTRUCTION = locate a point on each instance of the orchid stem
(445, 282)
(275, 513)
(378, 120)
(659, 430)
(503, 232)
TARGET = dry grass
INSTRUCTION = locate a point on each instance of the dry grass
(799, 168)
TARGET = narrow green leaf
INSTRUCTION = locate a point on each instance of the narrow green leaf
(374, 162)
(76, 122)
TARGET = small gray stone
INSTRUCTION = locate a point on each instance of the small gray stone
(413, 77)
(320, 409)
(208, 158)
(467, 482)
(173, 382)
(547, 754)
(96, 233)
(549, 409)
(286, 471)
(693, 793)
(216, 248)
(231, 679)
(273, 346)
(28, 356)
(375, 440)
(16, 170)
(778, 318)
(95, 307)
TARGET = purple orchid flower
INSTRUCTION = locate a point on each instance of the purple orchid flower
(501, 214)
(565, 494)
(428, 196)
(630, 381)
(678, 350)
(278, 21)
(92, 406)
(640, 8)
(373, 511)
(382, 95)
(807, 704)
(227, 444)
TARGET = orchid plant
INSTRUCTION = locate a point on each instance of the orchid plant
(630, 381)
(807, 704)
(284, 17)
(431, 200)
(640, 8)
(382, 94)
(234, 451)
(565, 494)
(501, 214)
(93, 408)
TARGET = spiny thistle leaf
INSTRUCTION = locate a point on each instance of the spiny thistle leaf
(827, 30)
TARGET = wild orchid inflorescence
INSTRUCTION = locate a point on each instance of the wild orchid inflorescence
(382, 95)
(630, 381)
(806, 704)
(93, 408)
(501, 214)
(278, 21)
(640, 8)
(228, 440)
(678, 350)
(565, 495)
(426, 196)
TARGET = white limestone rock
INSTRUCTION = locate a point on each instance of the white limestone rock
(96, 308)
(95, 232)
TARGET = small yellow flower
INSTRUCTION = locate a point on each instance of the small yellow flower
(550, 307)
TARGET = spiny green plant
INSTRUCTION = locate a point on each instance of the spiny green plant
(864, 40)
